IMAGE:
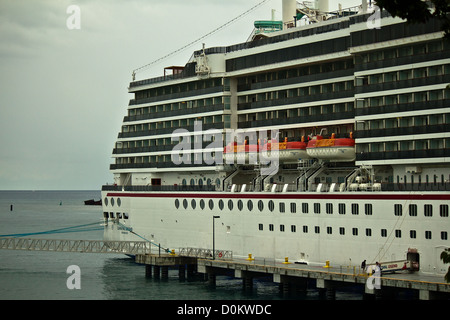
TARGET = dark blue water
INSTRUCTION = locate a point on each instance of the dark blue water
(42, 275)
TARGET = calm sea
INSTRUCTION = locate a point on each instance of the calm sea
(42, 275)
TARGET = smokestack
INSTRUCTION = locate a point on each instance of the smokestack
(289, 11)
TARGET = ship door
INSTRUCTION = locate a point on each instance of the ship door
(156, 182)
(414, 258)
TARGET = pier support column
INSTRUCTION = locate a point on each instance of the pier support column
(191, 270)
(182, 272)
(247, 282)
(212, 279)
(165, 272)
(327, 288)
(156, 272)
(148, 270)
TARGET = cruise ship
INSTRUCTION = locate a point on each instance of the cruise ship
(324, 137)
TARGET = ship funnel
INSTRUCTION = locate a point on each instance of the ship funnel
(289, 11)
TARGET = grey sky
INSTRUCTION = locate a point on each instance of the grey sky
(63, 92)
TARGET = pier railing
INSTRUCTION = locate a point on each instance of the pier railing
(206, 253)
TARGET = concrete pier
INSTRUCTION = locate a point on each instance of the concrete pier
(328, 279)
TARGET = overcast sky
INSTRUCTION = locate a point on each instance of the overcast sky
(63, 92)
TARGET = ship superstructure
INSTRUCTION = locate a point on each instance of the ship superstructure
(322, 140)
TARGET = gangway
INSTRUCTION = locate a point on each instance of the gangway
(85, 246)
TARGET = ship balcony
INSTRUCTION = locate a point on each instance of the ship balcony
(407, 154)
(412, 130)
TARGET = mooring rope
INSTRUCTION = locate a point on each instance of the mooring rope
(78, 228)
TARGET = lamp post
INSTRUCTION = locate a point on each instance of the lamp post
(214, 237)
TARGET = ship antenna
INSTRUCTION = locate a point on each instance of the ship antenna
(144, 67)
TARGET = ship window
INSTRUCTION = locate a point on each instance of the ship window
(260, 227)
(211, 204)
(341, 230)
(305, 229)
(185, 203)
(412, 234)
(368, 232)
(125, 215)
(428, 235)
(355, 231)
(112, 202)
(105, 215)
(202, 204)
(316, 207)
(293, 228)
(383, 233)
(398, 209)
(221, 204)
(119, 202)
(317, 229)
(240, 205)
(355, 208)
(293, 207)
(443, 210)
(368, 209)
(177, 203)
(230, 204)
(329, 230)
(413, 210)
(428, 210)
(260, 205)
(119, 215)
(193, 204)
(341, 208)
(271, 205)
(270, 227)
(444, 235)
(305, 207)
(106, 201)
(249, 205)
(281, 227)
(111, 215)
(329, 208)
(282, 207)
(398, 233)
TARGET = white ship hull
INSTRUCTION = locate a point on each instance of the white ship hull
(376, 226)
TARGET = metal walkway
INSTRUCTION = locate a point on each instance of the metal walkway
(85, 246)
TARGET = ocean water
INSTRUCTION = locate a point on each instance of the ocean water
(40, 275)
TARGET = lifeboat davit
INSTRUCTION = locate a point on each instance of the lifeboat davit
(333, 149)
(286, 151)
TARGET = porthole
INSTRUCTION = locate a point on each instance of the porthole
(112, 202)
(193, 204)
(185, 203)
(119, 202)
(211, 204)
(106, 201)
(260, 205)
(177, 203)
(271, 205)
(240, 205)
(202, 204)
(221, 204)
(230, 204)
(249, 205)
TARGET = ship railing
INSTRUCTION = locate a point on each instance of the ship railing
(206, 253)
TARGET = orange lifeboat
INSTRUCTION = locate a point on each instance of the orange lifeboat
(240, 154)
(333, 149)
(286, 151)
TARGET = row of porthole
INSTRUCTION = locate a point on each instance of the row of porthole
(221, 204)
(119, 202)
